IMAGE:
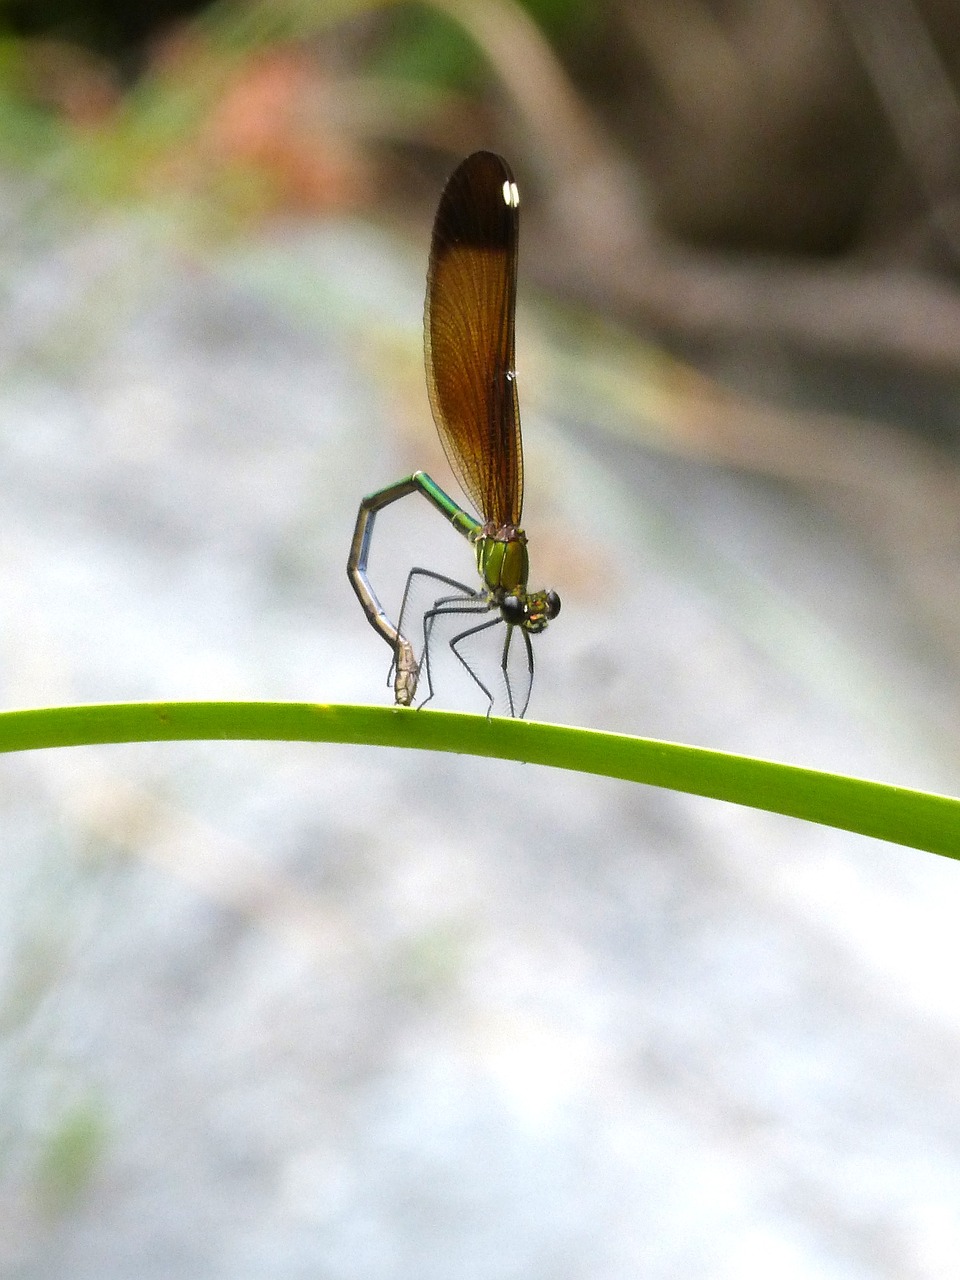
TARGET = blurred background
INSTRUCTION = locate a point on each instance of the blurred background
(271, 1010)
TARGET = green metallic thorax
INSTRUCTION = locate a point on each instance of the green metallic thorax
(502, 559)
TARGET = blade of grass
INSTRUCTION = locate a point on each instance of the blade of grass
(918, 819)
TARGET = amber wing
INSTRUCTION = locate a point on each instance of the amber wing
(469, 334)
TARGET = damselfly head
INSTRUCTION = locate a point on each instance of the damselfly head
(532, 611)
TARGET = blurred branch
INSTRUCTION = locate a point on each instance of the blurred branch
(901, 491)
(817, 305)
(915, 92)
(595, 203)
(840, 310)
(711, 65)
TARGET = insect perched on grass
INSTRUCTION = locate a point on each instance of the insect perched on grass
(471, 381)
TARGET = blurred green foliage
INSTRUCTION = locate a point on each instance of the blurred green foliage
(115, 28)
(70, 1156)
(27, 130)
(422, 43)
(73, 110)
(413, 40)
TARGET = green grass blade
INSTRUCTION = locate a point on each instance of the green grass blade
(914, 818)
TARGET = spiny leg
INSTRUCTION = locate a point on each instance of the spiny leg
(453, 606)
(442, 578)
(467, 593)
(504, 666)
(465, 635)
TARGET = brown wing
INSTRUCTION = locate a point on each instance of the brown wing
(469, 334)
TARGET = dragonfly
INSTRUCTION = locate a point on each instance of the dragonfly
(472, 388)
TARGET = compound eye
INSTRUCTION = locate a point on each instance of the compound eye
(552, 604)
(512, 609)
